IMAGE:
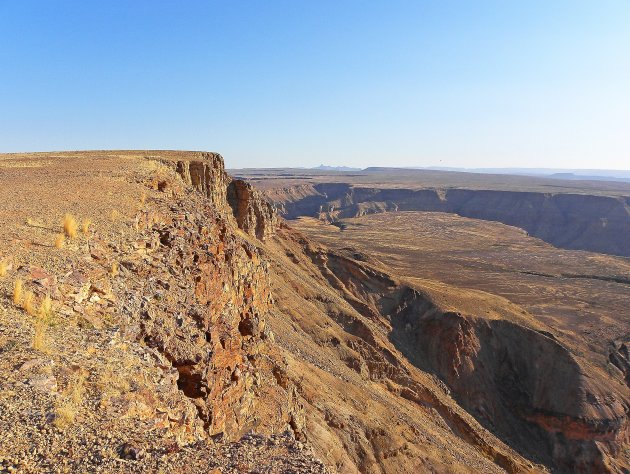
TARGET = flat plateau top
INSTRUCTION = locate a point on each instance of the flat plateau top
(428, 179)
(35, 158)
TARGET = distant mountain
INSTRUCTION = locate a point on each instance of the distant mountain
(568, 174)
(323, 167)
(574, 176)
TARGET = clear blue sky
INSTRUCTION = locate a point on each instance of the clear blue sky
(295, 83)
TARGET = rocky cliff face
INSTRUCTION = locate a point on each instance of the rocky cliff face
(572, 221)
(519, 382)
(153, 353)
(252, 212)
(204, 305)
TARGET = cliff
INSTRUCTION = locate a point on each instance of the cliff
(154, 349)
(507, 370)
(566, 220)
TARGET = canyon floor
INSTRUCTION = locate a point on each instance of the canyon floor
(157, 315)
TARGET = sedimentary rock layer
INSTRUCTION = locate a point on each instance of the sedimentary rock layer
(572, 221)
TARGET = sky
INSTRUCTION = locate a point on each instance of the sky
(485, 83)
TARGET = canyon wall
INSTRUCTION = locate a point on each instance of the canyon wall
(518, 380)
(503, 394)
(202, 298)
(521, 383)
(571, 221)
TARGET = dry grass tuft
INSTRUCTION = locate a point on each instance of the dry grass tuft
(60, 240)
(65, 413)
(3, 268)
(27, 302)
(45, 309)
(34, 223)
(143, 198)
(70, 402)
(114, 215)
(40, 342)
(78, 388)
(70, 226)
(114, 271)
(85, 226)
(17, 291)
(43, 318)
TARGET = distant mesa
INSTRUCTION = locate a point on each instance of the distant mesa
(622, 176)
(323, 167)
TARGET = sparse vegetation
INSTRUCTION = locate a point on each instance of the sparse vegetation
(4, 265)
(39, 336)
(45, 309)
(34, 223)
(60, 240)
(114, 270)
(114, 215)
(27, 302)
(65, 413)
(85, 226)
(17, 291)
(70, 402)
(70, 226)
(43, 318)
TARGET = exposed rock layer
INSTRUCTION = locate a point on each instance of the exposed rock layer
(518, 382)
(252, 212)
(212, 329)
(572, 221)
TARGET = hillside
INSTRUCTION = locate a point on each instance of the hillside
(186, 328)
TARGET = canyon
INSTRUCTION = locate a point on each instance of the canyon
(209, 334)
(586, 215)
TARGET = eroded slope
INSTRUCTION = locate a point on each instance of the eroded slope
(504, 367)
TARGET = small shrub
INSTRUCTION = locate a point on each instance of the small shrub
(45, 309)
(85, 226)
(70, 226)
(78, 387)
(17, 291)
(27, 302)
(65, 413)
(39, 336)
(60, 240)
